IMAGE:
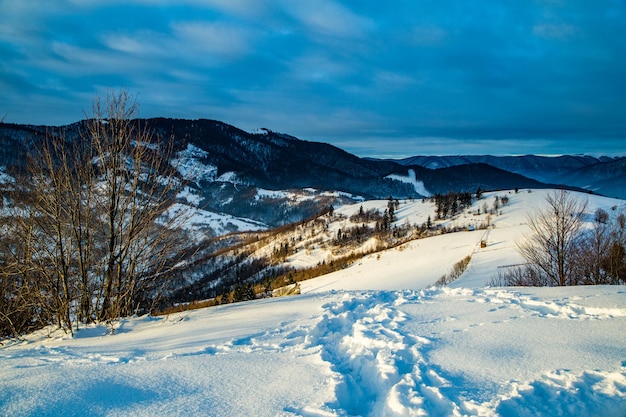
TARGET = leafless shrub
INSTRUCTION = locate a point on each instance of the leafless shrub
(551, 247)
(90, 237)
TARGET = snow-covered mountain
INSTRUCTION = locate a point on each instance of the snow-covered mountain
(276, 161)
(373, 338)
(352, 232)
(231, 167)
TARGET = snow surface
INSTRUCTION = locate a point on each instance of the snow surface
(373, 339)
(196, 221)
(189, 165)
(305, 194)
(190, 196)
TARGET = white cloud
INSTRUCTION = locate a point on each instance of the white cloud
(143, 43)
(317, 67)
(392, 80)
(246, 8)
(78, 61)
(217, 38)
(329, 18)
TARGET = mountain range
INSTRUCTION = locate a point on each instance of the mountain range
(242, 170)
(602, 175)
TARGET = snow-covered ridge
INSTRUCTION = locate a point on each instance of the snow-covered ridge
(298, 196)
(230, 177)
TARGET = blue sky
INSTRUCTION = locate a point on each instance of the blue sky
(398, 78)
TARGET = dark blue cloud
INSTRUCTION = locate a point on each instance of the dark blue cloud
(399, 78)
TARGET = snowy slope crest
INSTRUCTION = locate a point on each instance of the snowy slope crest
(295, 197)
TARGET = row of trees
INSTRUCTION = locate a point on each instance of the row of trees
(85, 237)
(450, 204)
(561, 251)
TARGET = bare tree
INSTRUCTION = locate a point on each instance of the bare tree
(593, 247)
(551, 247)
(27, 300)
(92, 240)
(136, 184)
(18, 304)
(615, 261)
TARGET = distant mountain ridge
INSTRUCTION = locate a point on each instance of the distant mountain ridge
(603, 175)
(541, 168)
(606, 178)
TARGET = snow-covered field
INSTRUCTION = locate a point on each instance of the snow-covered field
(371, 340)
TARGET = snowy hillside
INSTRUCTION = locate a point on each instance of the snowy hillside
(373, 339)
(419, 263)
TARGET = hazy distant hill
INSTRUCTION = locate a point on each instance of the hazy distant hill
(606, 178)
(603, 175)
(541, 168)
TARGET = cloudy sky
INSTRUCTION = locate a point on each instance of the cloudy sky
(396, 78)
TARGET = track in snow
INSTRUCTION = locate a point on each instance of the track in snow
(452, 352)
(380, 368)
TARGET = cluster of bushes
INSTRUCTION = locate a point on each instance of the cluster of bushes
(561, 251)
(83, 234)
(450, 204)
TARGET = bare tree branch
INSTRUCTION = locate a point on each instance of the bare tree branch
(551, 247)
